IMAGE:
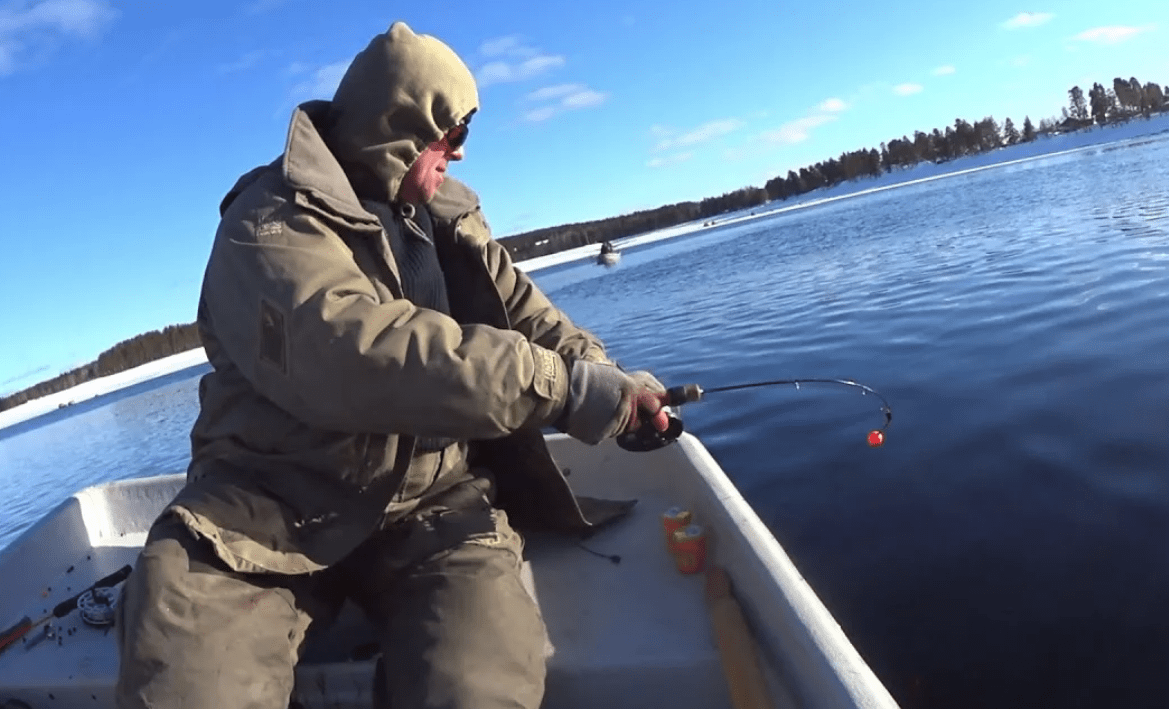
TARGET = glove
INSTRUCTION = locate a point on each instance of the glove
(604, 402)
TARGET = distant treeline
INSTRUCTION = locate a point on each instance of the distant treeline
(559, 238)
(122, 356)
(1101, 106)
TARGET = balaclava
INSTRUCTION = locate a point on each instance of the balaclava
(401, 93)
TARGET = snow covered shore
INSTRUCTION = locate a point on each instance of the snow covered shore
(104, 385)
(1041, 148)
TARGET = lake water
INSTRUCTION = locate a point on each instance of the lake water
(1007, 546)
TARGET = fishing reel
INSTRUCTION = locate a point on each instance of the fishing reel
(646, 437)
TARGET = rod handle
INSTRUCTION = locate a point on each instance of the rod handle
(68, 605)
(683, 394)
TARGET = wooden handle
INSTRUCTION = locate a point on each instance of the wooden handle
(736, 647)
(15, 633)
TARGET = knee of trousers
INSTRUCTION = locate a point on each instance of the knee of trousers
(465, 632)
(191, 633)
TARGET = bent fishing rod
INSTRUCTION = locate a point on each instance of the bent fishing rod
(648, 438)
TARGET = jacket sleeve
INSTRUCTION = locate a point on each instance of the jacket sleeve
(530, 311)
(292, 310)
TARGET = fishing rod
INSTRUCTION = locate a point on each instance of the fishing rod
(648, 438)
(62, 609)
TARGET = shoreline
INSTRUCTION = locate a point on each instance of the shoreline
(1020, 153)
(1059, 145)
(101, 386)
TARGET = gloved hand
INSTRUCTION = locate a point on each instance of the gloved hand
(604, 402)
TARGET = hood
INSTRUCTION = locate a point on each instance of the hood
(401, 93)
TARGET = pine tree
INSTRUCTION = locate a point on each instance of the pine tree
(1028, 130)
(1129, 100)
(1114, 109)
(1156, 95)
(1098, 102)
(987, 134)
(1140, 101)
(1077, 104)
(1010, 132)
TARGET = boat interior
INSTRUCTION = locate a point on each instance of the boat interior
(633, 633)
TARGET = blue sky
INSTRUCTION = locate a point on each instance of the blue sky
(125, 122)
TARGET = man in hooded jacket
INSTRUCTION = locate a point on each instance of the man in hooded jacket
(371, 428)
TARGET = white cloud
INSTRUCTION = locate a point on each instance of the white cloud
(583, 99)
(1113, 34)
(248, 61)
(553, 92)
(565, 97)
(663, 161)
(907, 89)
(323, 82)
(671, 138)
(944, 70)
(510, 45)
(502, 72)
(541, 114)
(25, 27)
(796, 131)
(1027, 19)
(83, 18)
(7, 58)
(511, 59)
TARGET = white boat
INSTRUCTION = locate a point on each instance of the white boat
(609, 258)
(631, 634)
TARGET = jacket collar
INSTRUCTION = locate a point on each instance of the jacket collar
(310, 166)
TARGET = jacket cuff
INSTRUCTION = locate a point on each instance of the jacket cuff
(550, 385)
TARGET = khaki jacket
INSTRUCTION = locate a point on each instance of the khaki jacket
(324, 375)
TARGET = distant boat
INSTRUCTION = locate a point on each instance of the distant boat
(609, 256)
(635, 633)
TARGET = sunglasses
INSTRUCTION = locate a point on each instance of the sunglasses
(456, 136)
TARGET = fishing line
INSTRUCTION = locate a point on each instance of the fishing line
(648, 438)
